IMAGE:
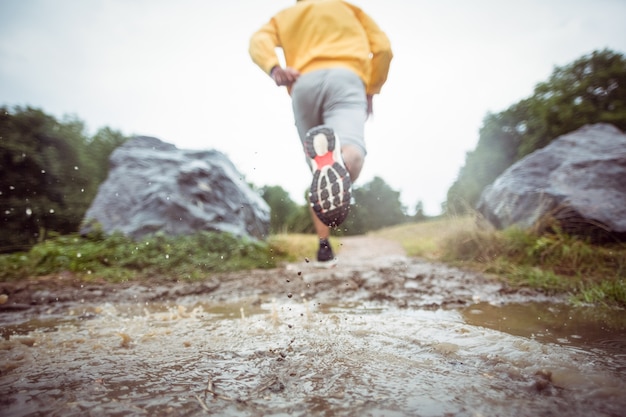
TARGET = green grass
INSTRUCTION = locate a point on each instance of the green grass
(118, 258)
(296, 247)
(554, 263)
(427, 239)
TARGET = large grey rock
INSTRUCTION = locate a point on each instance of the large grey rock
(579, 179)
(154, 187)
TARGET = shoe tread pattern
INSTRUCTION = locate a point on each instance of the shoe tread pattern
(330, 188)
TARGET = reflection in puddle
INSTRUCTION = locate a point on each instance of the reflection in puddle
(584, 327)
(300, 358)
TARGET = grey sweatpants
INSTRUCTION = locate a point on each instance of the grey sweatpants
(334, 97)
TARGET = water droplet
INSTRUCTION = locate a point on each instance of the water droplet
(29, 211)
(51, 211)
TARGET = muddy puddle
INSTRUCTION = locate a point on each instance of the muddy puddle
(380, 335)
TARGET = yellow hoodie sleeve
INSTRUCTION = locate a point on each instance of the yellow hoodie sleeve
(380, 47)
(263, 44)
(317, 34)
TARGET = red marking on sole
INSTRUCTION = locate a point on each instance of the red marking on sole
(324, 160)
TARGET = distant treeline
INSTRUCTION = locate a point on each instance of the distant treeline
(50, 170)
(376, 205)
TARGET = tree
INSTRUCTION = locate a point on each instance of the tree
(376, 205)
(99, 149)
(419, 215)
(40, 162)
(286, 215)
(47, 176)
(590, 90)
(496, 150)
(281, 207)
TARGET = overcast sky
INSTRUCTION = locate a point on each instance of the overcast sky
(180, 71)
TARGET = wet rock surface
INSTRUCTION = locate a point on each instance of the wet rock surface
(380, 334)
(578, 179)
(155, 187)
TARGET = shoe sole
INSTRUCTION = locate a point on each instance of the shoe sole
(330, 193)
(326, 264)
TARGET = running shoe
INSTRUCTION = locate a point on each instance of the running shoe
(330, 189)
(325, 252)
(325, 256)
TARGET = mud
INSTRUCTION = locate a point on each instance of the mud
(378, 335)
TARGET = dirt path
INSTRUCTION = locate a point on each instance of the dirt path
(356, 249)
(380, 334)
(369, 269)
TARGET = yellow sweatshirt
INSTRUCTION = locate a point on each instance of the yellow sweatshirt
(318, 34)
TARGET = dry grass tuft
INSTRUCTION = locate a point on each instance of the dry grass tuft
(553, 261)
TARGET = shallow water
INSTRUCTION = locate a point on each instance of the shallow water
(379, 335)
(297, 357)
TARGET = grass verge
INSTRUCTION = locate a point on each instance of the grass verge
(118, 258)
(554, 263)
(297, 247)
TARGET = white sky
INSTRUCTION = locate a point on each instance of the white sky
(179, 70)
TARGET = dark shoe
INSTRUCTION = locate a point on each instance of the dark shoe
(325, 252)
(330, 189)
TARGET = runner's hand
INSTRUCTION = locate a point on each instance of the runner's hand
(284, 76)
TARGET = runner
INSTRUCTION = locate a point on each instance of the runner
(336, 59)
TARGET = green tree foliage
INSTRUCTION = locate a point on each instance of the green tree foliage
(286, 216)
(282, 208)
(495, 152)
(590, 90)
(48, 175)
(376, 205)
(99, 149)
(300, 221)
(419, 215)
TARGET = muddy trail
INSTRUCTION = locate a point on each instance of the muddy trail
(380, 334)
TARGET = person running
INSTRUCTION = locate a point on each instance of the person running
(336, 59)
